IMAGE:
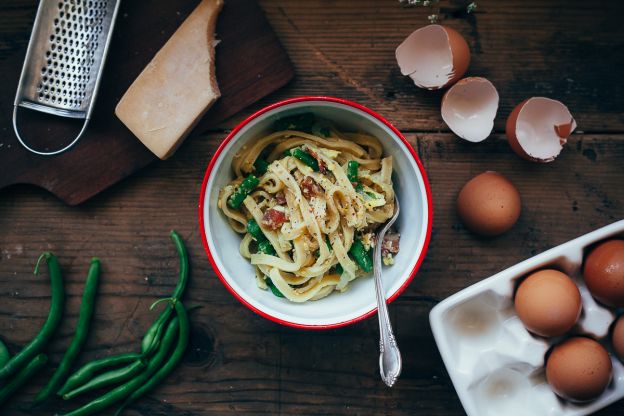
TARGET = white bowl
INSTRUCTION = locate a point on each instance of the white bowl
(338, 309)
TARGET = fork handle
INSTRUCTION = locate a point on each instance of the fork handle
(389, 354)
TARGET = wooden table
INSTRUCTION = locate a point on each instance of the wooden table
(240, 363)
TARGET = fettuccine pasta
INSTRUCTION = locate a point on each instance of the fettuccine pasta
(307, 199)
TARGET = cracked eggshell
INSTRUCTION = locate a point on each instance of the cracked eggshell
(469, 108)
(434, 56)
(538, 128)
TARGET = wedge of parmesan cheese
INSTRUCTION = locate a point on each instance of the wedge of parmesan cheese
(177, 87)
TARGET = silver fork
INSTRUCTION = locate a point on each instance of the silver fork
(390, 356)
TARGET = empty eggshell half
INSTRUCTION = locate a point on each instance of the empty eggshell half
(434, 56)
(469, 108)
(538, 128)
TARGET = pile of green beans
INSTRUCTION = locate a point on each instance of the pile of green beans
(135, 374)
(130, 375)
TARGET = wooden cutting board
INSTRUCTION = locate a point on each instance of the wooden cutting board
(251, 64)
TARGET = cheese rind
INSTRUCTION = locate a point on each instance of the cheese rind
(177, 87)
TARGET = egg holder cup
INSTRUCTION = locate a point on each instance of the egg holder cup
(495, 363)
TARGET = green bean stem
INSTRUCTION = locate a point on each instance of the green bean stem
(247, 185)
(22, 377)
(171, 363)
(126, 389)
(86, 372)
(36, 345)
(361, 256)
(117, 376)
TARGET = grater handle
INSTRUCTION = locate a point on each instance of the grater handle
(41, 152)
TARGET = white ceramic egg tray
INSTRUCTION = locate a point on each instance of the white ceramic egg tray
(496, 365)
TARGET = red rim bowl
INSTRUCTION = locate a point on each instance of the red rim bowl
(355, 116)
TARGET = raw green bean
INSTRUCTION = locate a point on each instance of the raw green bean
(299, 122)
(171, 363)
(265, 247)
(247, 185)
(261, 166)
(153, 335)
(274, 289)
(306, 158)
(116, 376)
(86, 372)
(352, 171)
(184, 265)
(126, 389)
(22, 377)
(82, 330)
(254, 229)
(5, 356)
(361, 256)
(34, 347)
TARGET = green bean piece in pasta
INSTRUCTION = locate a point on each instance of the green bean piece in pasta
(261, 166)
(22, 377)
(352, 171)
(265, 247)
(306, 158)
(247, 185)
(273, 288)
(254, 229)
(82, 330)
(34, 347)
(361, 256)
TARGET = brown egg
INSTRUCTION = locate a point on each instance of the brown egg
(548, 303)
(618, 337)
(489, 204)
(579, 369)
(604, 273)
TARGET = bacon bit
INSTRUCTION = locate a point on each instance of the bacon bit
(273, 218)
(322, 165)
(280, 198)
(310, 188)
(390, 244)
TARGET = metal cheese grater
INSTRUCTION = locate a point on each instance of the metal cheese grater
(64, 61)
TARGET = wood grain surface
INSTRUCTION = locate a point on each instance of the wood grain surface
(240, 363)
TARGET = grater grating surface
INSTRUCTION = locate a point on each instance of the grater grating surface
(65, 58)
